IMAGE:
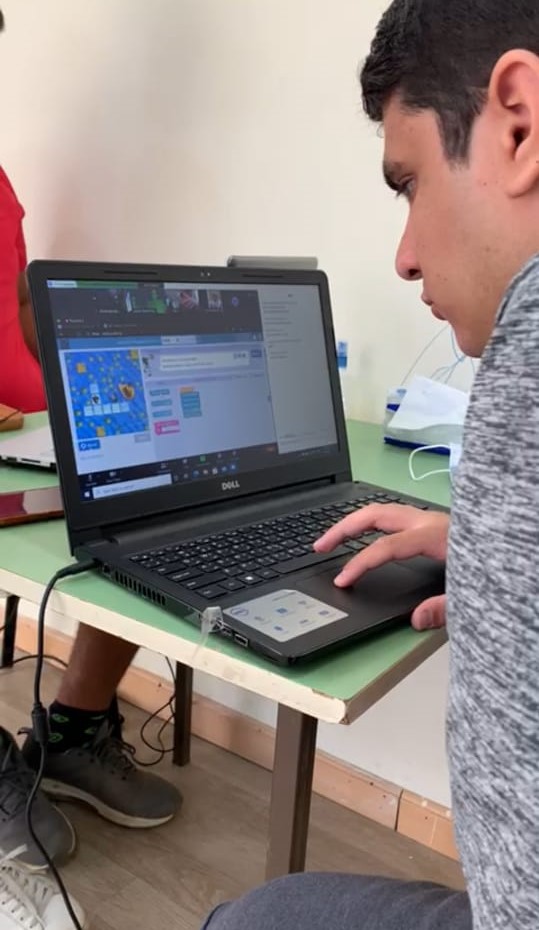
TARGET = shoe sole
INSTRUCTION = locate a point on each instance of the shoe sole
(58, 860)
(61, 791)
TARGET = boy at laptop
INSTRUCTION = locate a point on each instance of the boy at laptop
(456, 87)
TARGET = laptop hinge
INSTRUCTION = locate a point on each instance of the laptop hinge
(163, 523)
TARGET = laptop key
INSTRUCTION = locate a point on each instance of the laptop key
(191, 585)
(250, 578)
(206, 581)
(267, 573)
(233, 584)
(288, 543)
(280, 555)
(227, 561)
(368, 538)
(211, 592)
(307, 540)
(173, 568)
(248, 566)
(231, 569)
(187, 574)
(311, 558)
(356, 545)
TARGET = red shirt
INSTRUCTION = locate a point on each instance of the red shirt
(21, 384)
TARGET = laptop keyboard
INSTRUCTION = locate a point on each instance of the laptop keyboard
(252, 555)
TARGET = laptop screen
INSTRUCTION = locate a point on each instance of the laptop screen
(177, 382)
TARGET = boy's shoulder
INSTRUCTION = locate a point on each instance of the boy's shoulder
(522, 292)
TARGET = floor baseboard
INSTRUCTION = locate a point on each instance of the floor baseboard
(387, 804)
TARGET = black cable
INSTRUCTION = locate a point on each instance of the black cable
(161, 750)
(46, 656)
(40, 725)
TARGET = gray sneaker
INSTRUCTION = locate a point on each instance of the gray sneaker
(53, 829)
(104, 776)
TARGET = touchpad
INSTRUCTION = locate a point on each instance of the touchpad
(396, 588)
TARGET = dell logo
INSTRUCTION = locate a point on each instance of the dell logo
(230, 485)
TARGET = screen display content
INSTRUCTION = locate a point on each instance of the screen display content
(177, 382)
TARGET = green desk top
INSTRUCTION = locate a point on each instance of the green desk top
(36, 551)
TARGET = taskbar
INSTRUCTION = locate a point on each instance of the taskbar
(102, 484)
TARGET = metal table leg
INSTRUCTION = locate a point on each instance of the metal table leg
(10, 629)
(182, 716)
(291, 792)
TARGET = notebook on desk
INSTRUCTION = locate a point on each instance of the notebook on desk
(201, 447)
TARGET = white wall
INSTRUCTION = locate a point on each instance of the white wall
(185, 130)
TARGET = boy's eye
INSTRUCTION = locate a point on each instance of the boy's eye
(405, 188)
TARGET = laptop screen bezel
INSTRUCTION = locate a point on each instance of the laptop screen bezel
(90, 519)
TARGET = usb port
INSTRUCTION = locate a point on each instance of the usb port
(241, 640)
(226, 632)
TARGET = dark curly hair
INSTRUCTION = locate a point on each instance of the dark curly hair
(439, 55)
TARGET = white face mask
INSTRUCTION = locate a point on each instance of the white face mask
(455, 452)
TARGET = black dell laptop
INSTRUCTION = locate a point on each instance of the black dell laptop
(201, 446)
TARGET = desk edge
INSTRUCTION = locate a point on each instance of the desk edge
(263, 682)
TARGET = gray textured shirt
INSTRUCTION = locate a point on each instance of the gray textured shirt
(493, 623)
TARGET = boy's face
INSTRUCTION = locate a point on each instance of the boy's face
(460, 237)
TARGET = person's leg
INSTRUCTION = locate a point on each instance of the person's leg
(86, 758)
(97, 664)
(87, 693)
(314, 901)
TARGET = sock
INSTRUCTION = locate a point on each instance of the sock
(115, 718)
(71, 728)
